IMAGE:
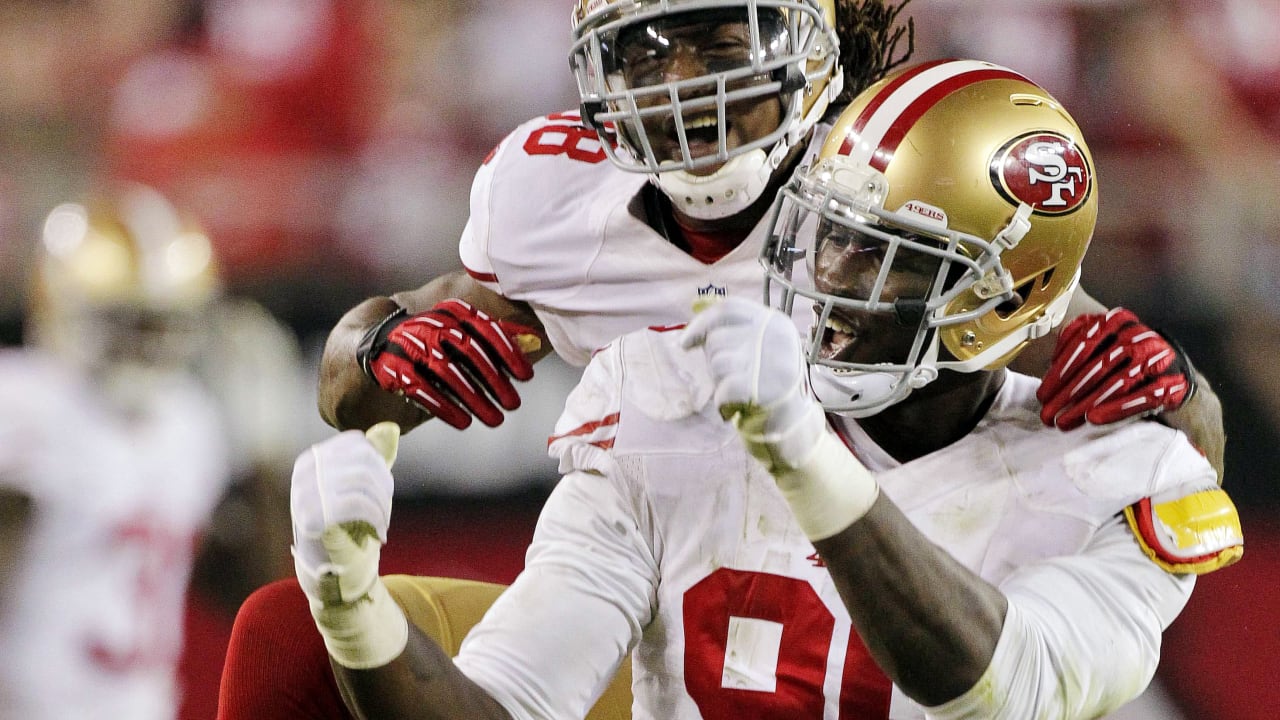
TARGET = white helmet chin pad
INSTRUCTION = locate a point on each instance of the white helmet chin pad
(727, 191)
(858, 393)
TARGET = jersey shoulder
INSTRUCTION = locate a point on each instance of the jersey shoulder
(642, 393)
(1166, 489)
(40, 393)
(542, 166)
(539, 205)
(48, 415)
(1108, 463)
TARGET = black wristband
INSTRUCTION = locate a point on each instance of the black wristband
(374, 340)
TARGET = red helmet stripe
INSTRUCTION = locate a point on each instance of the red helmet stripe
(888, 90)
(887, 119)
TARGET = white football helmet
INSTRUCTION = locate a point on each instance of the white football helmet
(954, 198)
(671, 127)
(121, 288)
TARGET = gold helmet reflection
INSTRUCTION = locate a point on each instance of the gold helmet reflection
(121, 278)
(980, 166)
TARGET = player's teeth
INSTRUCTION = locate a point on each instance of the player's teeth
(839, 326)
(701, 123)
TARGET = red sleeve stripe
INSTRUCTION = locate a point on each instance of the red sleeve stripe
(481, 276)
(667, 328)
(590, 428)
(891, 114)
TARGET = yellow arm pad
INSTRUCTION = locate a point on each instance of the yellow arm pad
(1196, 533)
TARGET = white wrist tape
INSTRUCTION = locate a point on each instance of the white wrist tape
(830, 491)
(778, 444)
(366, 633)
(361, 624)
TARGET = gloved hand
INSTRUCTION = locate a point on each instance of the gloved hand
(340, 503)
(450, 360)
(1110, 366)
(754, 357)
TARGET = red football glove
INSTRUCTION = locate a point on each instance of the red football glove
(446, 360)
(1110, 366)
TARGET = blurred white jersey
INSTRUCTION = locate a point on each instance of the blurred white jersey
(665, 537)
(554, 224)
(91, 622)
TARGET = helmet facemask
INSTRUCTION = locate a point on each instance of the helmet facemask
(875, 286)
(698, 133)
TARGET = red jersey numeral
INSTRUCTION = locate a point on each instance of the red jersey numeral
(155, 638)
(803, 651)
(576, 141)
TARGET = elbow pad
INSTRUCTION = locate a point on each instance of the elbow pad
(1194, 533)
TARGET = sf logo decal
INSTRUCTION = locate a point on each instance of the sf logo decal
(1044, 170)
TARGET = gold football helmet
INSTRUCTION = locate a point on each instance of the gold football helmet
(672, 126)
(121, 285)
(961, 171)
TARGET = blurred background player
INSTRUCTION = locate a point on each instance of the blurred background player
(112, 460)
(111, 303)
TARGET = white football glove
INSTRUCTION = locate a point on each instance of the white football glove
(756, 361)
(341, 507)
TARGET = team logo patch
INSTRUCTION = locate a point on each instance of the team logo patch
(713, 290)
(1044, 170)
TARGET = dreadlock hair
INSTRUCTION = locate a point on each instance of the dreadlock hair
(869, 35)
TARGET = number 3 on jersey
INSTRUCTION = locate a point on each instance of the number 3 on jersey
(758, 645)
(572, 139)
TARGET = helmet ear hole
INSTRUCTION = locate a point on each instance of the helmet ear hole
(1020, 294)
(1006, 309)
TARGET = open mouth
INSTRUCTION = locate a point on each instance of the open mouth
(702, 134)
(839, 338)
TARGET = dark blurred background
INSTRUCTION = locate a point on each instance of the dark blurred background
(327, 146)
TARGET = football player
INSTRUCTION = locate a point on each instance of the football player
(883, 527)
(111, 462)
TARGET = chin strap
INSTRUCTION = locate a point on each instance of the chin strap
(727, 191)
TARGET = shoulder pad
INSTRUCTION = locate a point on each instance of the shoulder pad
(1195, 533)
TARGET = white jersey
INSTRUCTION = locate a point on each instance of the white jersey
(667, 540)
(91, 620)
(556, 225)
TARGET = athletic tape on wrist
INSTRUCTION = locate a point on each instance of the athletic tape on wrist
(830, 491)
(366, 633)
(779, 448)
